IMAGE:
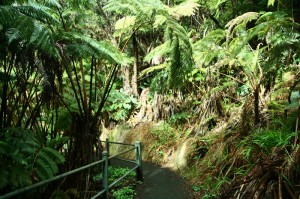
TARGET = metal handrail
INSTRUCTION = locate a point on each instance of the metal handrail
(105, 158)
(120, 143)
(33, 186)
(126, 151)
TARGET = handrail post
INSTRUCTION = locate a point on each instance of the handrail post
(138, 159)
(105, 173)
(107, 149)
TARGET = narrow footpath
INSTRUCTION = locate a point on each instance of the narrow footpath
(160, 183)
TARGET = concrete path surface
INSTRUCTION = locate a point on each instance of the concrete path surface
(159, 183)
(162, 183)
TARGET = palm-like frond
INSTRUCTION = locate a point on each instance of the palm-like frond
(210, 48)
(43, 39)
(25, 29)
(159, 51)
(135, 7)
(86, 46)
(240, 21)
(185, 9)
(276, 28)
(38, 12)
(154, 68)
(125, 22)
(175, 29)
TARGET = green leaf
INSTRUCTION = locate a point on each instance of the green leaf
(125, 22)
(159, 20)
(271, 2)
(55, 155)
(185, 9)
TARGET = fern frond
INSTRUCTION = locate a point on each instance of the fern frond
(18, 177)
(271, 2)
(53, 3)
(55, 156)
(122, 5)
(8, 15)
(160, 51)
(42, 39)
(176, 63)
(4, 175)
(22, 28)
(209, 48)
(103, 49)
(143, 9)
(159, 20)
(175, 29)
(125, 22)
(3, 148)
(184, 9)
(42, 169)
(21, 31)
(38, 12)
(51, 165)
(159, 83)
(154, 68)
(242, 19)
(25, 156)
(276, 28)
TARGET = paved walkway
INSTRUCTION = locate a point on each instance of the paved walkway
(160, 183)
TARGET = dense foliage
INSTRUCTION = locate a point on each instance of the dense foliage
(69, 69)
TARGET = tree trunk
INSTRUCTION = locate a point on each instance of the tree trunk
(135, 66)
(256, 105)
(84, 141)
(126, 79)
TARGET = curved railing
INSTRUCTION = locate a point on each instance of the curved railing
(105, 175)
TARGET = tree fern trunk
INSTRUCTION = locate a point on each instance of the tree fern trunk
(126, 79)
(135, 66)
(83, 87)
(3, 105)
(256, 106)
(81, 152)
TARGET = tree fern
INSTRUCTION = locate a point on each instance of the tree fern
(176, 47)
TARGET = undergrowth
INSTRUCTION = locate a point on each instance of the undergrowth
(125, 188)
(26, 159)
(244, 165)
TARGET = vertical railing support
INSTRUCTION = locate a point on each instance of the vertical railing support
(107, 149)
(138, 159)
(105, 173)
